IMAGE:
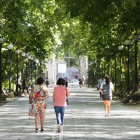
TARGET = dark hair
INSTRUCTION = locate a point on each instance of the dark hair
(60, 81)
(107, 80)
(23, 83)
(102, 76)
(40, 81)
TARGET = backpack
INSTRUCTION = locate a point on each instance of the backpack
(47, 81)
(105, 90)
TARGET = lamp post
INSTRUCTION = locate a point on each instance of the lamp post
(26, 67)
(29, 58)
(121, 48)
(102, 66)
(111, 67)
(10, 47)
(17, 52)
(27, 64)
(136, 38)
(128, 42)
(36, 62)
(35, 70)
(23, 55)
(108, 66)
(1, 42)
(115, 72)
(79, 67)
(104, 69)
(31, 68)
(111, 54)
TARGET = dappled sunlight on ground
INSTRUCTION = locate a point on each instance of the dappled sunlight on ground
(84, 119)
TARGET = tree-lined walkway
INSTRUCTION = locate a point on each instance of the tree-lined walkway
(84, 119)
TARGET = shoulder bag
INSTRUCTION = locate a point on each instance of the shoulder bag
(67, 101)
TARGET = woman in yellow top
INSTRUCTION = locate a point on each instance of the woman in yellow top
(39, 97)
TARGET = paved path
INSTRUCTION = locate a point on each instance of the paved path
(84, 119)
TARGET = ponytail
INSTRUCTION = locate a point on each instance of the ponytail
(107, 80)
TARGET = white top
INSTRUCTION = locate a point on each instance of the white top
(110, 87)
(19, 81)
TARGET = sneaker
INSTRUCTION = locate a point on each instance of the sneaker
(106, 114)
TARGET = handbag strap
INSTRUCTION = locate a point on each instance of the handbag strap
(66, 92)
(38, 92)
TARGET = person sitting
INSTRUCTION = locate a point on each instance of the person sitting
(133, 96)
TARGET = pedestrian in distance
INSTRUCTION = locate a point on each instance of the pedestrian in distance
(59, 97)
(106, 89)
(47, 82)
(100, 82)
(83, 80)
(25, 86)
(66, 82)
(80, 82)
(39, 96)
(19, 82)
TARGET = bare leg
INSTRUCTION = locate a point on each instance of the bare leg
(36, 122)
(105, 105)
(42, 121)
(108, 106)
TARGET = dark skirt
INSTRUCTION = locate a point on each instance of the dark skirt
(107, 97)
(80, 83)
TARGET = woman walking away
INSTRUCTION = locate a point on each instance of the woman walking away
(106, 89)
(47, 82)
(59, 97)
(66, 82)
(80, 82)
(39, 97)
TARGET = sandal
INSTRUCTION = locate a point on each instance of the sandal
(59, 129)
(36, 130)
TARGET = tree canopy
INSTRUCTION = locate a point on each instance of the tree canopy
(90, 28)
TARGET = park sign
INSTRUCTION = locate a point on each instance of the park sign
(61, 68)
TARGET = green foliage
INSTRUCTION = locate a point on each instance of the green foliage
(90, 28)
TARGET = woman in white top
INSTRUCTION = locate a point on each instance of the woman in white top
(107, 98)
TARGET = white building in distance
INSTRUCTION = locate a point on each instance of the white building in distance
(83, 67)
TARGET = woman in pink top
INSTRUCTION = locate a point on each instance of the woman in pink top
(59, 98)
